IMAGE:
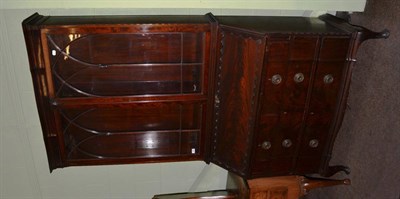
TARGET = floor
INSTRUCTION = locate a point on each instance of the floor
(369, 140)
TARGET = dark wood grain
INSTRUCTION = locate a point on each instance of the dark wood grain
(283, 104)
(33, 45)
(123, 91)
(324, 104)
(238, 80)
(259, 96)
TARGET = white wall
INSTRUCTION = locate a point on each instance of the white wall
(24, 171)
(338, 5)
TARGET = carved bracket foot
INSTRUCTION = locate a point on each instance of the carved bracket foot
(309, 183)
(332, 170)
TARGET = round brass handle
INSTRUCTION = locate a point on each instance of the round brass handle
(287, 143)
(328, 79)
(313, 143)
(266, 145)
(298, 77)
(276, 79)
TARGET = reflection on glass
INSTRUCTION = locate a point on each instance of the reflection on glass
(71, 37)
(149, 141)
(127, 64)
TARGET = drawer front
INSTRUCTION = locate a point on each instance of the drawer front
(323, 105)
(334, 49)
(288, 73)
(277, 136)
(319, 131)
(132, 131)
(286, 86)
(276, 144)
(127, 64)
(289, 64)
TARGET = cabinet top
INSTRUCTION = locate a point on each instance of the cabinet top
(37, 19)
(326, 24)
(273, 24)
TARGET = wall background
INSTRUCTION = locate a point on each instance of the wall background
(350, 5)
(24, 172)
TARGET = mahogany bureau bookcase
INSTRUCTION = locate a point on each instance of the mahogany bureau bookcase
(259, 96)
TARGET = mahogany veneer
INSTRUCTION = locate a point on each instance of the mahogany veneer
(259, 96)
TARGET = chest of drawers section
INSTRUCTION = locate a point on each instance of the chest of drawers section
(280, 93)
(302, 87)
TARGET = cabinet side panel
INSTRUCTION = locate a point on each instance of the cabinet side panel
(34, 49)
(238, 75)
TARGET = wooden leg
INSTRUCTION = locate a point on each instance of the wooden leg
(309, 183)
(283, 187)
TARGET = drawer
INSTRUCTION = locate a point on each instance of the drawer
(334, 49)
(303, 48)
(327, 85)
(278, 135)
(296, 48)
(137, 130)
(126, 64)
(278, 50)
(286, 86)
(316, 133)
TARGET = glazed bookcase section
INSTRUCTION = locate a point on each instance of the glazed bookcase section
(120, 89)
(132, 131)
(136, 64)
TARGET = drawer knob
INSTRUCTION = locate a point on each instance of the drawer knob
(287, 143)
(276, 79)
(298, 77)
(266, 145)
(313, 143)
(328, 79)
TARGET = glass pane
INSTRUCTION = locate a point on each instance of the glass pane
(126, 48)
(72, 79)
(191, 79)
(136, 145)
(126, 64)
(132, 118)
(154, 129)
(190, 143)
(150, 144)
